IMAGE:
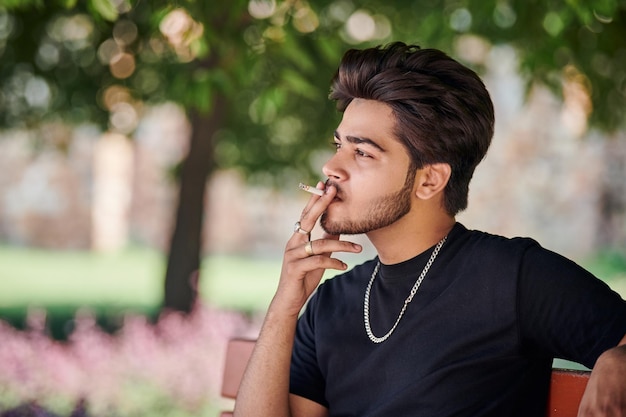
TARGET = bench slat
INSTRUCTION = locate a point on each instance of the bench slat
(237, 355)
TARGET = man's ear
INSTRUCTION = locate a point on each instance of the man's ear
(432, 179)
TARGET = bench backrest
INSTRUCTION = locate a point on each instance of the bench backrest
(566, 390)
(566, 386)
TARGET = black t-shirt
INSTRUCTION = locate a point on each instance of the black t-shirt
(478, 339)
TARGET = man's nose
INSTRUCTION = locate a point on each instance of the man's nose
(333, 168)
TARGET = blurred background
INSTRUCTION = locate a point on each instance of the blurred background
(150, 154)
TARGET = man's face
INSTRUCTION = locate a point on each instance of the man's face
(370, 171)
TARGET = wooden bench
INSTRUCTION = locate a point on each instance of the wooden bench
(566, 386)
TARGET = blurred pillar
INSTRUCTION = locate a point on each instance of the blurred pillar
(112, 185)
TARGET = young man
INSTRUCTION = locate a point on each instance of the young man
(444, 321)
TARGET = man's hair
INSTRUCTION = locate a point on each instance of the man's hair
(443, 110)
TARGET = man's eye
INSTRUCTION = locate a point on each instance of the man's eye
(337, 145)
(361, 153)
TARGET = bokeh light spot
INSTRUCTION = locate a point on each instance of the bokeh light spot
(261, 9)
(360, 26)
(122, 65)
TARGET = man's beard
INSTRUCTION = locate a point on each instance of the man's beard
(382, 212)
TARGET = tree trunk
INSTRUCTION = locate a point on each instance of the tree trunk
(183, 264)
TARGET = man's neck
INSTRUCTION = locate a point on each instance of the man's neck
(410, 236)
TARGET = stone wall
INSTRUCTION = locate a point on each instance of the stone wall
(45, 194)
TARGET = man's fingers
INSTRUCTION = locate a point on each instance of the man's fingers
(319, 249)
(315, 207)
(328, 246)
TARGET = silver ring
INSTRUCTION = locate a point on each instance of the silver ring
(308, 248)
(297, 228)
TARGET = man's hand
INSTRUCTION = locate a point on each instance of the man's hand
(605, 395)
(305, 261)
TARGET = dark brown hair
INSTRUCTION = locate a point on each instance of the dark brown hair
(442, 108)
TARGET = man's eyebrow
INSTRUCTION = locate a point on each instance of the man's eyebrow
(357, 140)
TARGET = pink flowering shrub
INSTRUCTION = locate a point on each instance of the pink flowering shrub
(171, 368)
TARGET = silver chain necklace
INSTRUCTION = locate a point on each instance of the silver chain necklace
(366, 303)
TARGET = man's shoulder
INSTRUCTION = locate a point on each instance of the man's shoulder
(490, 241)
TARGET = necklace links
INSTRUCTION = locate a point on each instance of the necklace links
(418, 282)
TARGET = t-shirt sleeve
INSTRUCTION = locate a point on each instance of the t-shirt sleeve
(565, 311)
(306, 379)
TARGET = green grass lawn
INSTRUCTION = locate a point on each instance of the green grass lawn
(39, 277)
(129, 279)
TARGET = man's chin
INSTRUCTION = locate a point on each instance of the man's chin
(338, 228)
(329, 226)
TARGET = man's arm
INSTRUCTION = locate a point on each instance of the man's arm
(606, 391)
(264, 390)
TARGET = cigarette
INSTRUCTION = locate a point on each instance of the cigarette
(310, 189)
